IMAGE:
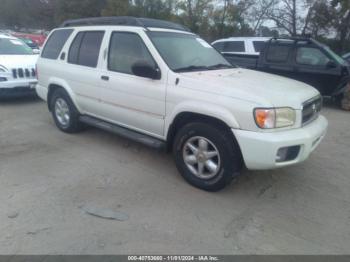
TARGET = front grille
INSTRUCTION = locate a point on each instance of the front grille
(311, 110)
(23, 73)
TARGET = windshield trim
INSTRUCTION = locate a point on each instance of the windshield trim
(148, 33)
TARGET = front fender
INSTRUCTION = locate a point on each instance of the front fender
(207, 109)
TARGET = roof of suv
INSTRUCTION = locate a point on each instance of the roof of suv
(125, 21)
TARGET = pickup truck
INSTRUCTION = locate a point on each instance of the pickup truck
(302, 59)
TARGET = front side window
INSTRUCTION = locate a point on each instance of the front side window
(186, 52)
(311, 56)
(234, 46)
(125, 50)
(55, 43)
(13, 46)
(278, 53)
(85, 48)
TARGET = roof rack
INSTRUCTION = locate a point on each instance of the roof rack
(124, 21)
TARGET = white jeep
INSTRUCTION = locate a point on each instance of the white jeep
(17, 67)
(159, 84)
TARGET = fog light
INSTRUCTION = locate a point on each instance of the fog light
(286, 154)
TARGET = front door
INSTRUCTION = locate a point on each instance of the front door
(129, 100)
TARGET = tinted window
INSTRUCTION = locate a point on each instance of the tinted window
(258, 45)
(278, 53)
(125, 50)
(219, 46)
(311, 56)
(85, 48)
(74, 49)
(55, 43)
(234, 46)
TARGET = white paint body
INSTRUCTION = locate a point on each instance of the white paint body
(150, 106)
(248, 44)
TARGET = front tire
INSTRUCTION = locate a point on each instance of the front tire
(64, 112)
(207, 157)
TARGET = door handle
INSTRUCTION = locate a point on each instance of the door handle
(105, 78)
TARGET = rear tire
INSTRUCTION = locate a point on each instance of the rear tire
(64, 112)
(207, 157)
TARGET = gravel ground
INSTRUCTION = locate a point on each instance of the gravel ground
(47, 178)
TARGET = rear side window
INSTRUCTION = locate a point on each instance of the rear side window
(234, 46)
(278, 53)
(258, 45)
(55, 43)
(219, 46)
(85, 48)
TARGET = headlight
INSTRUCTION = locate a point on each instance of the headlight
(268, 118)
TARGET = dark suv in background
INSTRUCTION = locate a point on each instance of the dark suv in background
(303, 59)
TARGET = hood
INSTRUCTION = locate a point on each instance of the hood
(265, 90)
(18, 61)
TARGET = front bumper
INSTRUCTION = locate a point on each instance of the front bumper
(17, 88)
(260, 150)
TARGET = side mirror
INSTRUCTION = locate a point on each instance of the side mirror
(331, 64)
(143, 69)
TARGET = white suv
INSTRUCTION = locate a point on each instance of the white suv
(159, 84)
(17, 67)
(241, 45)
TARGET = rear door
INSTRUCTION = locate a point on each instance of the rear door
(316, 68)
(83, 72)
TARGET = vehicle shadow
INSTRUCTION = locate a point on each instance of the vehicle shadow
(20, 100)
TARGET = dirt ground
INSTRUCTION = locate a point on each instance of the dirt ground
(47, 177)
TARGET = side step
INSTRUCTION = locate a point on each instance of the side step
(124, 132)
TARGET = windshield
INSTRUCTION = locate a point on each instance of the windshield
(184, 52)
(335, 56)
(14, 47)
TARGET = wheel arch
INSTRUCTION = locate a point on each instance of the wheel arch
(185, 117)
(60, 84)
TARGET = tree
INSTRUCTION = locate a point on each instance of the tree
(70, 9)
(342, 21)
(116, 8)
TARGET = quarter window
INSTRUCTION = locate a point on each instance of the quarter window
(85, 48)
(311, 56)
(125, 50)
(234, 46)
(55, 43)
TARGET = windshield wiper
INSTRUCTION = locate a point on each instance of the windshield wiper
(219, 66)
(191, 68)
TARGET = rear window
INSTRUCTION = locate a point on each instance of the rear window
(55, 43)
(278, 53)
(258, 45)
(234, 46)
(85, 48)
